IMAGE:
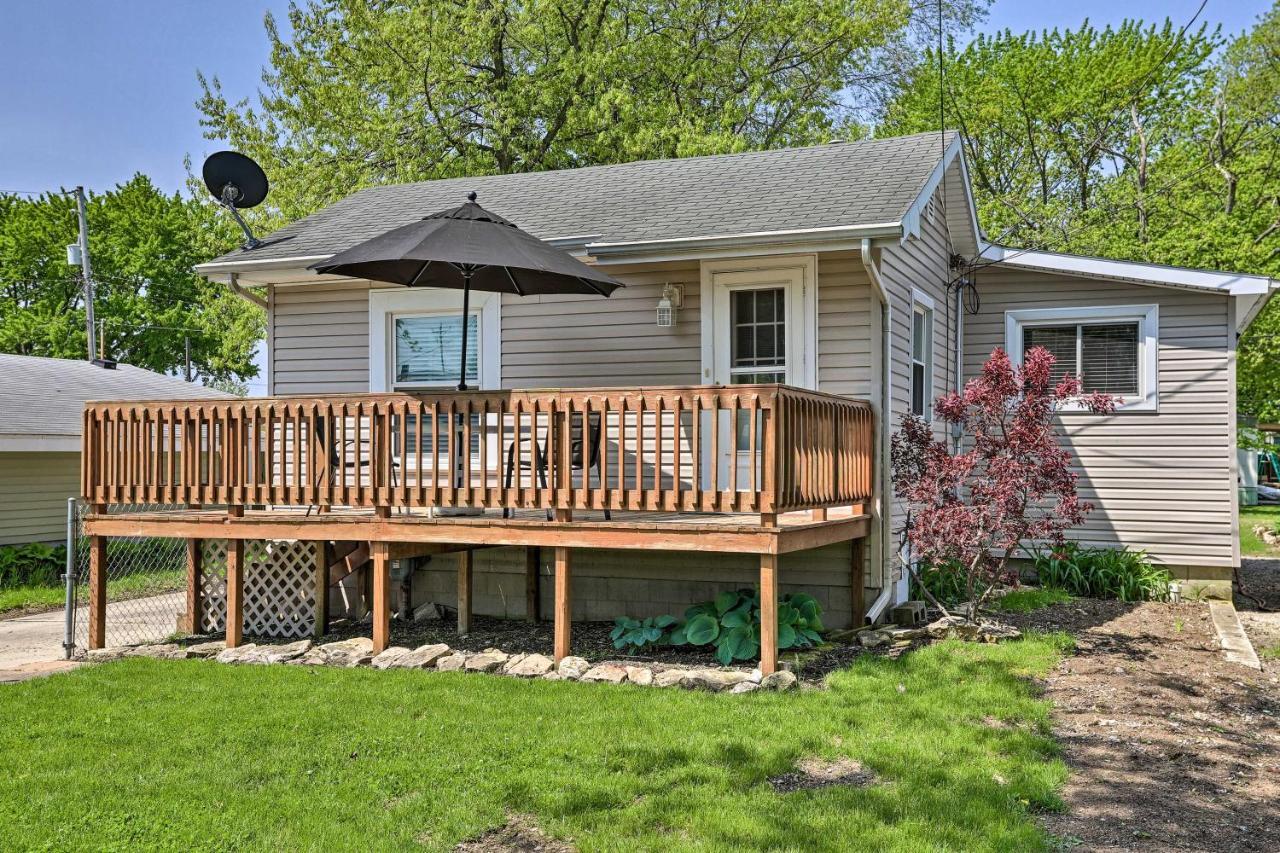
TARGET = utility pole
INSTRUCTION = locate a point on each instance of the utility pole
(186, 346)
(86, 269)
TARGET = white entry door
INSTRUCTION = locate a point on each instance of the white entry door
(759, 326)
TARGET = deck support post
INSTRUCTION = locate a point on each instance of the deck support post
(532, 582)
(768, 613)
(321, 552)
(380, 566)
(235, 592)
(97, 592)
(465, 561)
(857, 583)
(564, 604)
(193, 619)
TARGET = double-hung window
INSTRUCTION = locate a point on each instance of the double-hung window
(428, 349)
(1113, 349)
(921, 355)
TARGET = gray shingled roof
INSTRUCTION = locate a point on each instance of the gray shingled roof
(46, 396)
(839, 184)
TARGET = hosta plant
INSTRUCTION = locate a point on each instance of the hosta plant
(731, 623)
(635, 634)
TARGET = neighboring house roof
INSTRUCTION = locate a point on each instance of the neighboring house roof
(870, 184)
(42, 399)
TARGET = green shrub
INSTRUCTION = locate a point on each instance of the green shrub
(730, 623)
(1102, 573)
(35, 564)
(1027, 599)
(945, 581)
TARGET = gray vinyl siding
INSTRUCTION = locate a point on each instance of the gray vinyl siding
(586, 341)
(848, 330)
(34, 488)
(1161, 481)
(319, 339)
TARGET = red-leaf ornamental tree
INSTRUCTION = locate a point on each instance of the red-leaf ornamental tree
(1009, 484)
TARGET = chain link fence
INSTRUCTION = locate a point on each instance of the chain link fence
(146, 582)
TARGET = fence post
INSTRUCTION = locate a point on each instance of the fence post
(69, 628)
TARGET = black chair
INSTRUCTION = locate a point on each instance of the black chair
(580, 452)
(323, 430)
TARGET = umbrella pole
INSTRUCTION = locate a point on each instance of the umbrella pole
(466, 310)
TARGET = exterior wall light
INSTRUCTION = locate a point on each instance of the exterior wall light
(669, 304)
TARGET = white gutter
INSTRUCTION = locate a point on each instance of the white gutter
(886, 412)
(214, 267)
(748, 239)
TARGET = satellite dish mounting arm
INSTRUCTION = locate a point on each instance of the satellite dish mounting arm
(230, 193)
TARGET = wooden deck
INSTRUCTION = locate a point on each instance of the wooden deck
(750, 469)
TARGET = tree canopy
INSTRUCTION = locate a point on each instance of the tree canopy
(143, 244)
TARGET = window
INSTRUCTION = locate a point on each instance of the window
(1112, 349)
(428, 348)
(758, 325)
(921, 355)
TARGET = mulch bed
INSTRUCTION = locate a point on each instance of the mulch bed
(1170, 746)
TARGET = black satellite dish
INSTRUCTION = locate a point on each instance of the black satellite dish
(237, 183)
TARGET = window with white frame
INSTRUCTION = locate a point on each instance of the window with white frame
(1113, 349)
(758, 325)
(921, 355)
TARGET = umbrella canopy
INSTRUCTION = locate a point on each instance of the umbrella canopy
(440, 250)
(468, 248)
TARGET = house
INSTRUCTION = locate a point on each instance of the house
(40, 425)
(844, 272)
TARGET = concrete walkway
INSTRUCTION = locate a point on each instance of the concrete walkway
(35, 639)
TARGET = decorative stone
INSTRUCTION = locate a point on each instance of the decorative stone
(239, 654)
(745, 687)
(641, 675)
(755, 675)
(388, 657)
(609, 672)
(104, 655)
(553, 676)
(452, 663)
(533, 666)
(281, 654)
(780, 680)
(953, 626)
(423, 657)
(206, 650)
(670, 677)
(845, 635)
(490, 660)
(714, 680)
(159, 651)
(356, 651)
(994, 632)
(512, 661)
(873, 639)
(898, 635)
(573, 667)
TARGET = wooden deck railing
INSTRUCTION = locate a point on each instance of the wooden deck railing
(745, 448)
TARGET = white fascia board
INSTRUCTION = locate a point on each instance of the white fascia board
(213, 268)
(690, 248)
(40, 443)
(911, 219)
(1234, 284)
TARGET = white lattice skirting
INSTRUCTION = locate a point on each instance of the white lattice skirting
(279, 588)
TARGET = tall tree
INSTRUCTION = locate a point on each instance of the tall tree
(374, 91)
(144, 244)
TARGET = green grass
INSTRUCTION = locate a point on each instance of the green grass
(1270, 652)
(193, 755)
(1028, 598)
(53, 596)
(1251, 516)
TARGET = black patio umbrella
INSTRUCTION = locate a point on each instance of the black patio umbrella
(468, 248)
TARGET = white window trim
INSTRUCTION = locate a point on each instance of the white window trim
(922, 303)
(1146, 316)
(387, 304)
(720, 277)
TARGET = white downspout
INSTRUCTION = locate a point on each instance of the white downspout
(233, 281)
(886, 413)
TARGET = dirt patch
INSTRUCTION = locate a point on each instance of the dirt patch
(520, 834)
(1257, 601)
(1170, 746)
(815, 773)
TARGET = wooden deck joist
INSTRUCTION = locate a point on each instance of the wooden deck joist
(420, 535)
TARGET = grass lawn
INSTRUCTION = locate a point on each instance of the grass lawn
(1250, 516)
(51, 597)
(194, 755)
(1028, 598)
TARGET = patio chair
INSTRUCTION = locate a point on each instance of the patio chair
(583, 456)
(359, 465)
